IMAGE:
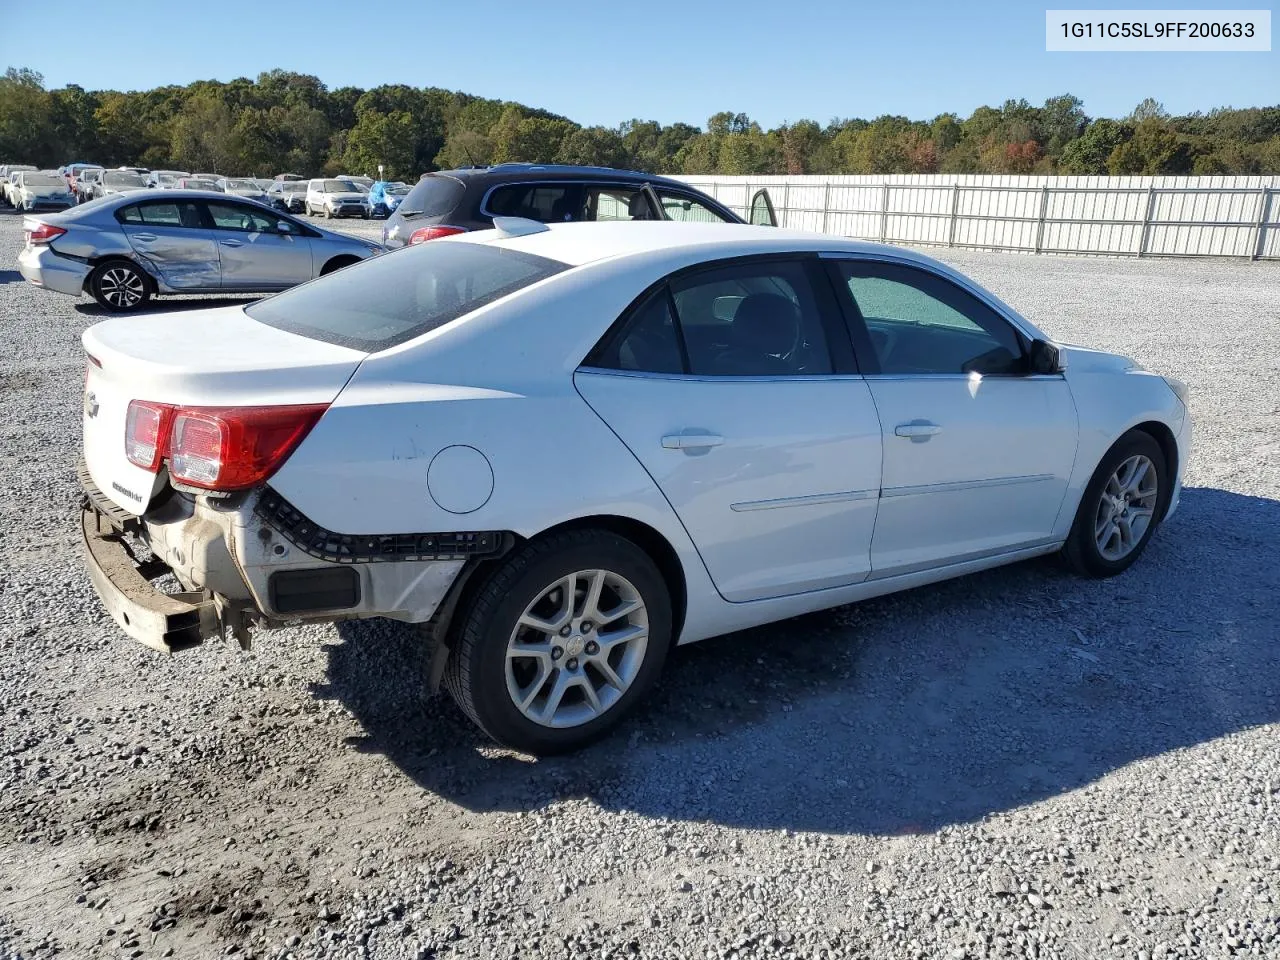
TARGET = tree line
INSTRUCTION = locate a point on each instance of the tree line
(291, 122)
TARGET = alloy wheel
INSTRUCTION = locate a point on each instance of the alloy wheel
(122, 287)
(577, 648)
(1126, 507)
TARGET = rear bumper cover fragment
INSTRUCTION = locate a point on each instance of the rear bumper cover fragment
(324, 544)
(161, 621)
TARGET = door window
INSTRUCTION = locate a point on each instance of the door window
(160, 214)
(617, 203)
(762, 214)
(545, 202)
(756, 319)
(233, 216)
(920, 323)
(678, 206)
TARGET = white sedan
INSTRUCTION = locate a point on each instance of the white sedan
(568, 448)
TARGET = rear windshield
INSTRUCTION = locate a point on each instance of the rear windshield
(432, 196)
(397, 296)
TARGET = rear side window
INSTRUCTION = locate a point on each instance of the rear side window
(432, 196)
(393, 298)
(545, 202)
(160, 214)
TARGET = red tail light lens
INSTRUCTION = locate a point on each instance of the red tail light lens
(42, 232)
(433, 233)
(146, 428)
(235, 448)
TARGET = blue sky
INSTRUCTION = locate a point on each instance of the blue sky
(598, 62)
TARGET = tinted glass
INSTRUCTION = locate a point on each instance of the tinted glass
(920, 323)
(649, 343)
(394, 298)
(679, 207)
(119, 178)
(751, 320)
(432, 196)
(546, 202)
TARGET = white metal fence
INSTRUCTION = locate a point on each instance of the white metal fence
(1105, 216)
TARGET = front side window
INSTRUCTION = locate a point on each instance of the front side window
(388, 300)
(545, 202)
(678, 206)
(233, 216)
(920, 323)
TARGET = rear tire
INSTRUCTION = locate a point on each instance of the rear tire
(1120, 509)
(543, 675)
(120, 286)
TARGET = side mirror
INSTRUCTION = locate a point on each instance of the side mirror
(1046, 358)
(284, 226)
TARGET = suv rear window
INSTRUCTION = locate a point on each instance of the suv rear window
(395, 297)
(432, 196)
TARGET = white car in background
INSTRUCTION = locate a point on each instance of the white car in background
(571, 447)
(334, 197)
(41, 190)
(7, 174)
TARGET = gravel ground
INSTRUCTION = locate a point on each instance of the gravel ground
(1017, 764)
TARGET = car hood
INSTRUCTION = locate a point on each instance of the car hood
(47, 191)
(247, 193)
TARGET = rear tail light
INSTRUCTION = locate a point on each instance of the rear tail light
(146, 429)
(216, 448)
(423, 234)
(40, 232)
(235, 448)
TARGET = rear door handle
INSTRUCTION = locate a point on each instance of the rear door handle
(145, 237)
(691, 441)
(230, 243)
(918, 431)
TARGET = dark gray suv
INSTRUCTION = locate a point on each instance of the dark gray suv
(453, 201)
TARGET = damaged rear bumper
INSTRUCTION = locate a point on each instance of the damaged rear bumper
(161, 621)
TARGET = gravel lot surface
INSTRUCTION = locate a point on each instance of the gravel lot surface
(1017, 764)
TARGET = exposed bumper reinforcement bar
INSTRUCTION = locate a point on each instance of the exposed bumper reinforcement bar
(162, 621)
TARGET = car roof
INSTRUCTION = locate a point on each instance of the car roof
(586, 242)
(552, 171)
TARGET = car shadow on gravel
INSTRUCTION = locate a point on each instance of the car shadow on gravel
(10, 276)
(900, 715)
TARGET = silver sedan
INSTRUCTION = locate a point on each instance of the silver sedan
(124, 249)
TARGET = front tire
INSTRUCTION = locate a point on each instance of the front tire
(1120, 509)
(561, 641)
(120, 286)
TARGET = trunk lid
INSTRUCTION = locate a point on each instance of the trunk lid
(207, 358)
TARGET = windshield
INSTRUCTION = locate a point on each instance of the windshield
(241, 185)
(201, 185)
(356, 185)
(398, 189)
(396, 297)
(294, 186)
(121, 178)
(42, 180)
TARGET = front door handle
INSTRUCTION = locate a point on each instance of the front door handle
(691, 441)
(918, 431)
(230, 243)
(145, 237)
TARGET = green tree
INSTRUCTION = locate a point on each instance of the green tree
(1087, 155)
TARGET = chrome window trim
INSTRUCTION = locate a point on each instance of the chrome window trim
(707, 378)
(811, 500)
(964, 376)
(957, 279)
